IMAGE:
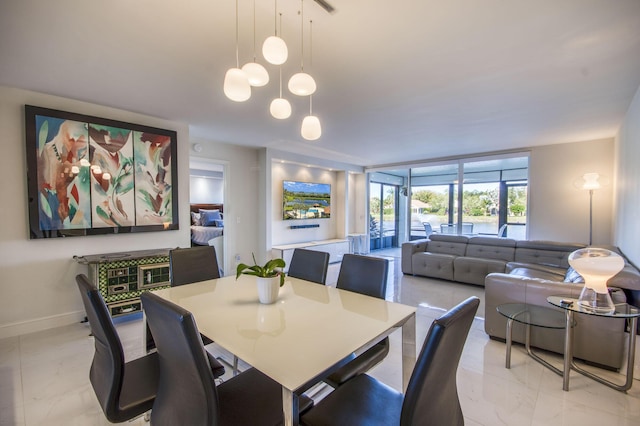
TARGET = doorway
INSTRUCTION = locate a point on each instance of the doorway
(383, 215)
(208, 185)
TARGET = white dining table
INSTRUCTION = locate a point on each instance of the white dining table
(308, 333)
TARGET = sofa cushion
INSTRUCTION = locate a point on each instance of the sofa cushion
(537, 273)
(545, 252)
(433, 265)
(473, 270)
(491, 248)
(447, 244)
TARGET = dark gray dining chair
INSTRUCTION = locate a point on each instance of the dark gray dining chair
(187, 394)
(431, 397)
(125, 390)
(187, 266)
(365, 275)
(193, 264)
(310, 265)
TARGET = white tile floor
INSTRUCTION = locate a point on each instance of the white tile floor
(44, 376)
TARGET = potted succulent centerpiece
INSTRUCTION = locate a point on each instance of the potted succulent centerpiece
(269, 277)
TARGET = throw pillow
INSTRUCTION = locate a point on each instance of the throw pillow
(195, 218)
(208, 217)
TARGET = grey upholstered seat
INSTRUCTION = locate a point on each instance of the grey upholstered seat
(190, 265)
(124, 390)
(432, 394)
(364, 275)
(187, 394)
(310, 265)
(193, 264)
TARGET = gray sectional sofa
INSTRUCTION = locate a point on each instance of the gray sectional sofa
(525, 271)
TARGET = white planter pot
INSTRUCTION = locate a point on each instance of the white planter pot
(268, 289)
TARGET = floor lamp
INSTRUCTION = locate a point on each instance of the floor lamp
(590, 182)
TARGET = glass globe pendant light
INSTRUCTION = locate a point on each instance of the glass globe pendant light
(311, 129)
(236, 83)
(256, 73)
(274, 49)
(302, 84)
(280, 108)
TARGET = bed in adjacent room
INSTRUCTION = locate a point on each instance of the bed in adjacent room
(207, 228)
(207, 223)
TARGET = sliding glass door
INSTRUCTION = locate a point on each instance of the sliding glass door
(383, 215)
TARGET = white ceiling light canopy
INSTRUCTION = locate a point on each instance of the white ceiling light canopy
(236, 83)
(302, 84)
(274, 49)
(256, 73)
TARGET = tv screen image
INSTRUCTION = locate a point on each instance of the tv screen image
(305, 200)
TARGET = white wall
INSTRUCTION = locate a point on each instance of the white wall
(627, 198)
(206, 190)
(557, 210)
(37, 280)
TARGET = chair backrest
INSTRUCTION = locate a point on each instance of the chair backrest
(427, 228)
(364, 275)
(190, 265)
(502, 232)
(107, 369)
(186, 392)
(467, 228)
(432, 394)
(310, 265)
(448, 228)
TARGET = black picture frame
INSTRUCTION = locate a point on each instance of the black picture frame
(89, 175)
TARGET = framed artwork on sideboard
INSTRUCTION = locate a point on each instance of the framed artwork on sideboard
(92, 176)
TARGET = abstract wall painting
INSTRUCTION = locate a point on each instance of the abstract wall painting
(89, 175)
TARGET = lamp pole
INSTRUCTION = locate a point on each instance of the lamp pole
(590, 216)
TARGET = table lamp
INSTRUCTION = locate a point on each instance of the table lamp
(596, 266)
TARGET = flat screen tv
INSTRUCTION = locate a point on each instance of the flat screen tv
(306, 200)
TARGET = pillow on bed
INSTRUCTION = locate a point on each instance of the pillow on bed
(208, 217)
(218, 223)
(195, 218)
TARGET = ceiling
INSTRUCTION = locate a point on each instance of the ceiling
(397, 80)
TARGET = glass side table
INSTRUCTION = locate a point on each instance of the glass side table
(531, 315)
(622, 310)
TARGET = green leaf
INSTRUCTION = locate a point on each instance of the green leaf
(42, 135)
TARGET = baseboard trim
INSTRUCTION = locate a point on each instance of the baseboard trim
(40, 324)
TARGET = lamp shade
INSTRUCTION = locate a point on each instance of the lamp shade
(311, 129)
(596, 266)
(280, 108)
(302, 84)
(236, 85)
(256, 74)
(591, 181)
(275, 51)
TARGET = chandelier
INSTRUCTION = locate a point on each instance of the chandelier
(239, 81)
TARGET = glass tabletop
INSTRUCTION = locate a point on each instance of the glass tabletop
(623, 310)
(535, 315)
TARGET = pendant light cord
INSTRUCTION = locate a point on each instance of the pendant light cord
(280, 64)
(237, 55)
(302, 35)
(254, 30)
(311, 42)
(310, 104)
(275, 18)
